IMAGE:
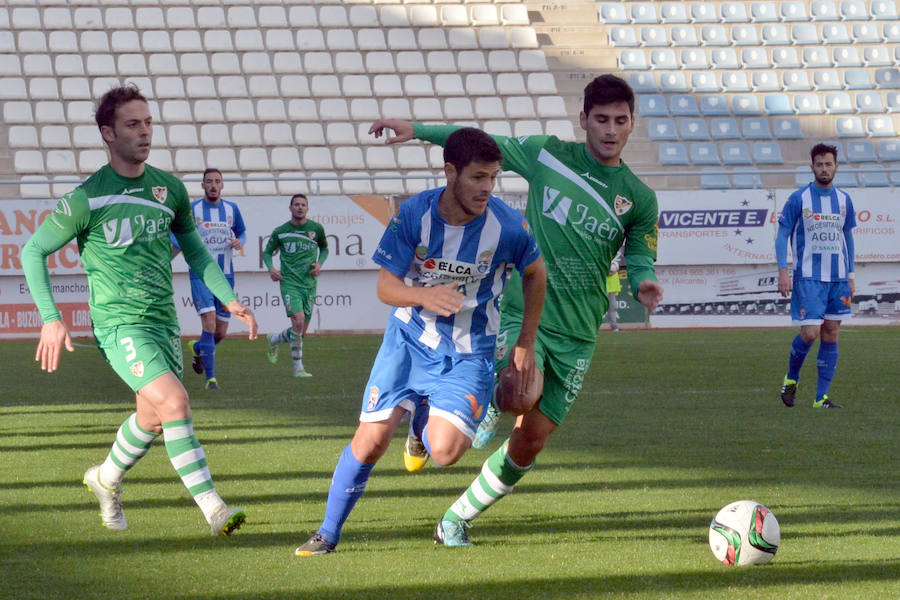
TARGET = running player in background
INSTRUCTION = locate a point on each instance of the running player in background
(818, 220)
(122, 217)
(222, 229)
(444, 260)
(583, 204)
(303, 250)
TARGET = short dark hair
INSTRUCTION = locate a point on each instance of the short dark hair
(211, 170)
(112, 100)
(468, 145)
(607, 89)
(298, 195)
(822, 149)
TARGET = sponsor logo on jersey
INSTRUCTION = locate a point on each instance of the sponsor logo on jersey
(590, 177)
(137, 369)
(160, 192)
(652, 240)
(394, 223)
(557, 207)
(118, 232)
(132, 191)
(62, 207)
(846, 300)
(622, 205)
(443, 266)
(526, 226)
(473, 402)
(373, 398)
(421, 252)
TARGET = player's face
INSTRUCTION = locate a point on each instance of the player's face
(212, 186)
(130, 136)
(607, 127)
(299, 208)
(472, 186)
(824, 166)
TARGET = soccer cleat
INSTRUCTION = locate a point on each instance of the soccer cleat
(788, 391)
(414, 453)
(488, 427)
(299, 373)
(196, 360)
(825, 403)
(110, 505)
(226, 520)
(452, 533)
(212, 384)
(315, 546)
(273, 350)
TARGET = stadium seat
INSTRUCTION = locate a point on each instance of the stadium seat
(756, 128)
(787, 128)
(746, 178)
(673, 12)
(714, 35)
(643, 82)
(480, 84)
(827, 79)
(302, 109)
(846, 56)
(643, 13)
(673, 154)
(735, 153)
(654, 35)
(561, 128)
(796, 81)
(509, 84)
(891, 33)
(765, 81)
(489, 108)
(704, 82)
(473, 61)
(802, 176)
(714, 104)
(735, 81)
(724, 58)
(794, 11)
(23, 136)
(734, 12)
(775, 34)
(338, 134)
(55, 136)
(704, 153)
(785, 58)
(744, 35)
(884, 10)
(530, 60)
(892, 101)
(242, 134)
(683, 105)
(623, 36)
(865, 33)
(693, 129)
(458, 109)
(857, 79)
(692, 58)
(873, 176)
(849, 127)
(60, 42)
(845, 179)
(815, 57)
(633, 58)
(888, 79)
(889, 151)
(503, 60)
(673, 82)
(835, 33)
(853, 10)
(703, 12)
(611, 14)
(662, 130)
(876, 56)
(755, 58)
(650, 105)
(549, 107)
(807, 104)
(520, 107)
(215, 134)
(767, 153)
(861, 151)
(714, 179)
(498, 128)
(763, 12)
(724, 128)
(527, 128)
(880, 126)
(823, 10)
(663, 59)
(405, 39)
(869, 102)
(681, 35)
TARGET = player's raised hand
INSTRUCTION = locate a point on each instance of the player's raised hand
(650, 294)
(403, 130)
(242, 312)
(443, 299)
(54, 337)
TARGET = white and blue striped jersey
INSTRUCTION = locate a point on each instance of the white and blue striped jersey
(820, 223)
(425, 250)
(216, 224)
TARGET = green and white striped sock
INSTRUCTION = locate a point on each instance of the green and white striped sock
(297, 352)
(132, 443)
(498, 476)
(189, 460)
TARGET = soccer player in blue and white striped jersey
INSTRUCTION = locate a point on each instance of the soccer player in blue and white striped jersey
(818, 221)
(444, 260)
(221, 227)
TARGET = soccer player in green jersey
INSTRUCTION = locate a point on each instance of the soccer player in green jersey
(304, 249)
(583, 204)
(122, 216)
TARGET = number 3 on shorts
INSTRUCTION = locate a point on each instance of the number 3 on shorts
(129, 347)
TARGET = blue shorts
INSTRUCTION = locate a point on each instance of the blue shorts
(813, 301)
(407, 373)
(205, 301)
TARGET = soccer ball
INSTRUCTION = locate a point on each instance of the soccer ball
(744, 533)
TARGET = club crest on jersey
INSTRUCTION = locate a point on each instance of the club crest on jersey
(160, 192)
(373, 398)
(484, 261)
(311, 235)
(473, 402)
(137, 369)
(622, 205)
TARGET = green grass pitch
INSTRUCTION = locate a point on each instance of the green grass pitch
(670, 427)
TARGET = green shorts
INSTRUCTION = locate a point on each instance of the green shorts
(141, 353)
(297, 299)
(563, 361)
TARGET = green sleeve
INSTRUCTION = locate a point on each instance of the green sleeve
(519, 154)
(70, 218)
(202, 263)
(639, 268)
(269, 250)
(323, 246)
(641, 244)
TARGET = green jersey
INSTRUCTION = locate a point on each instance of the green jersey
(300, 246)
(122, 227)
(581, 212)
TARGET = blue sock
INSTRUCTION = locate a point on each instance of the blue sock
(347, 486)
(206, 348)
(799, 350)
(827, 363)
(420, 425)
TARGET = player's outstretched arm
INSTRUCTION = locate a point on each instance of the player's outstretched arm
(54, 337)
(242, 312)
(650, 294)
(403, 130)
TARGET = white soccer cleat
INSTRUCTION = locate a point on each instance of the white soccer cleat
(110, 505)
(226, 520)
